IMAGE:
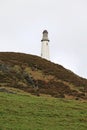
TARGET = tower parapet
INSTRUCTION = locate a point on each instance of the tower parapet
(45, 36)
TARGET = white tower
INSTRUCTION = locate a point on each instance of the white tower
(45, 46)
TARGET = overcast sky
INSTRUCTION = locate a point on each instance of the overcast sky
(23, 21)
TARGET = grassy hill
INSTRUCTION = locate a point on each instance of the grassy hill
(22, 74)
(22, 111)
(39, 76)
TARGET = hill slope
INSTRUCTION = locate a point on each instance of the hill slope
(39, 76)
(27, 112)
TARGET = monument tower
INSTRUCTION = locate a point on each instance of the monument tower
(45, 46)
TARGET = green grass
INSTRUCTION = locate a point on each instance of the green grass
(26, 112)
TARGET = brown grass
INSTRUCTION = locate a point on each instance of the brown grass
(52, 78)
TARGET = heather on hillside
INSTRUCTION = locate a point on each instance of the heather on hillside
(39, 76)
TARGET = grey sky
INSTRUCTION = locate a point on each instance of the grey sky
(22, 23)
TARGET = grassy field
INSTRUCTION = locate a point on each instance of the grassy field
(27, 112)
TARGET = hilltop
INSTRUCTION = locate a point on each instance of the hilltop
(38, 76)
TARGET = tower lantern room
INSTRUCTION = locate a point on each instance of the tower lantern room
(45, 36)
(45, 45)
